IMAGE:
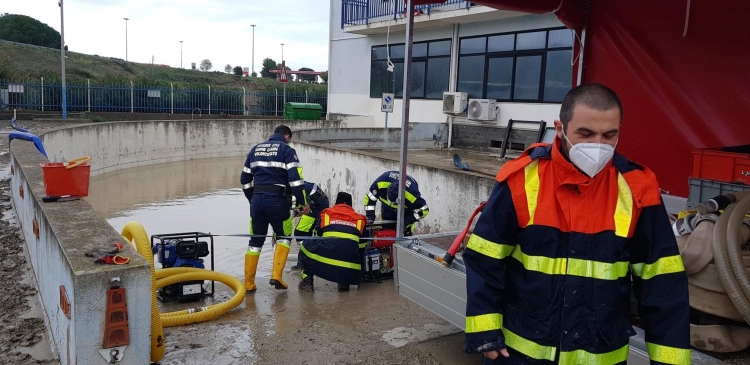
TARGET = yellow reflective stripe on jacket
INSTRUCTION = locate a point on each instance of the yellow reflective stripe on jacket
(327, 261)
(572, 266)
(383, 184)
(350, 236)
(668, 355)
(489, 248)
(597, 269)
(528, 347)
(664, 265)
(410, 197)
(624, 209)
(484, 322)
(305, 223)
(542, 264)
(362, 244)
(578, 357)
(531, 172)
(386, 202)
(326, 220)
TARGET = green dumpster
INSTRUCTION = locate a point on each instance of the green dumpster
(302, 111)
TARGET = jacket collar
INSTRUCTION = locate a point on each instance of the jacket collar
(277, 137)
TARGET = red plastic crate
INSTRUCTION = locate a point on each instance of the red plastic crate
(718, 165)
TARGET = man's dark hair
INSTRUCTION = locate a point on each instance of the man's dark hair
(283, 130)
(595, 96)
(344, 198)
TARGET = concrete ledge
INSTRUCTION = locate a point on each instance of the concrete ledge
(67, 230)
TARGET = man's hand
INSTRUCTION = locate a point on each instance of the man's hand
(305, 209)
(370, 216)
(492, 355)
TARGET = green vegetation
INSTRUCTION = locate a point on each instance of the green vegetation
(24, 63)
(25, 29)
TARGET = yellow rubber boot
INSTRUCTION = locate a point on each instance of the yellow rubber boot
(251, 266)
(279, 260)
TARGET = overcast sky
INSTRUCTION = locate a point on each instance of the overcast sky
(215, 29)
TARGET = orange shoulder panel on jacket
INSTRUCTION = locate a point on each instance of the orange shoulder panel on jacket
(644, 185)
(510, 168)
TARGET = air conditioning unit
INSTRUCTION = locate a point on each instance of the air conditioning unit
(482, 110)
(454, 102)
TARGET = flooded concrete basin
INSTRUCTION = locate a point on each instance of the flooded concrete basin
(369, 325)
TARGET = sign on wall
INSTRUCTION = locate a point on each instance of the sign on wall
(386, 104)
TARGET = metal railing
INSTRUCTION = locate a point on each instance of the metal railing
(359, 12)
(133, 98)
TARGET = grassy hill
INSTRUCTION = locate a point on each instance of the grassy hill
(22, 62)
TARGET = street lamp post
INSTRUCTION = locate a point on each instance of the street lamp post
(283, 70)
(252, 62)
(180, 54)
(62, 60)
(126, 38)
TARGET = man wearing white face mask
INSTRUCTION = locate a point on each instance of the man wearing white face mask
(568, 229)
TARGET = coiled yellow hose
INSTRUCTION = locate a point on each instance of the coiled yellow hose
(134, 233)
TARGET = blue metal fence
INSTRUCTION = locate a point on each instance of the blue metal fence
(359, 12)
(82, 97)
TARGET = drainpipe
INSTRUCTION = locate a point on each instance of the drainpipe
(453, 79)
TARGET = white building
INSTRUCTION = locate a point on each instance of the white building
(521, 60)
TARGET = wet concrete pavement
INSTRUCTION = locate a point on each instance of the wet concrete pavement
(369, 325)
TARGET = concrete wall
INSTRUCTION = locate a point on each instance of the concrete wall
(65, 232)
(484, 138)
(452, 196)
(119, 145)
(68, 230)
(421, 136)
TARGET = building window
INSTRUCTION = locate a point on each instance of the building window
(526, 67)
(430, 70)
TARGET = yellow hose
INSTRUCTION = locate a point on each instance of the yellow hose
(134, 233)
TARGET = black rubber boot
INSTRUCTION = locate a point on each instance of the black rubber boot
(296, 267)
(306, 284)
(343, 287)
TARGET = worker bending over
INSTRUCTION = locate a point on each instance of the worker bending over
(318, 201)
(385, 189)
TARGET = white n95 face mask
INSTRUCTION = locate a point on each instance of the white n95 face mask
(590, 157)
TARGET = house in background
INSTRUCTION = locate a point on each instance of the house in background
(522, 61)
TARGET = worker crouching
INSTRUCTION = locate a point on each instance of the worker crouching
(336, 255)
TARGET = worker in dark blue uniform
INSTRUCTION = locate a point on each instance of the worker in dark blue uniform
(272, 173)
(318, 201)
(385, 189)
(336, 257)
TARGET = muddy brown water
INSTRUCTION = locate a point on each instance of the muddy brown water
(372, 324)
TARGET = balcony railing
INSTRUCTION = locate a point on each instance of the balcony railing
(361, 12)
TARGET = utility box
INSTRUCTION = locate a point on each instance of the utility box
(302, 111)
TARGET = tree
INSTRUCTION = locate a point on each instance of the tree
(25, 29)
(324, 76)
(268, 65)
(254, 74)
(307, 78)
(206, 65)
(237, 70)
(228, 68)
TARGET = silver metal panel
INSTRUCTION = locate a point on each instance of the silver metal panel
(433, 286)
